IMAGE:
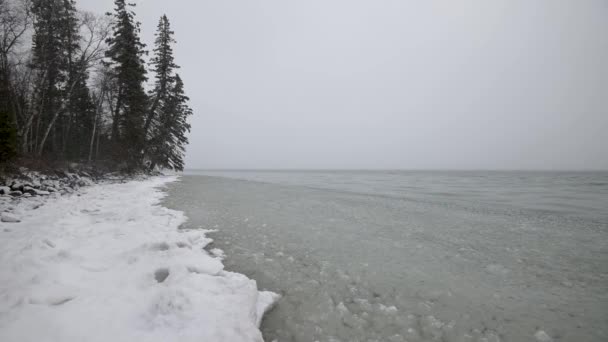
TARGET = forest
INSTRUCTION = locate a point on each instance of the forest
(82, 87)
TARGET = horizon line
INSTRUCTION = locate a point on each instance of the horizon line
(392, 169)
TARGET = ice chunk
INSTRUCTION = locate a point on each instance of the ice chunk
(542, 336)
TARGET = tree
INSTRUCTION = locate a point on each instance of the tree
(167, 147)
(76, 74)
(8, 137)
(50, 66)
(163, 66)
(166, 125)
(14, 22)
(125, 52)
(80, 121)
(78, 92)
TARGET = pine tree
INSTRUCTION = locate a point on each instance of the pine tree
(169, 139)
(57, 57)
(48, 61)
(8, 131)
(163, 66)
(126, 51)
(76, 76)
(166, 125)
(81, 115)
(8, 137)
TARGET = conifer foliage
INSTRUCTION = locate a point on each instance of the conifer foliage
(78, 94)
(126, 52)
(166, 125)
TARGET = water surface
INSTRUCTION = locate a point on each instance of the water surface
(414, 256)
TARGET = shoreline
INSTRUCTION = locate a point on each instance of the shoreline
(113, 246)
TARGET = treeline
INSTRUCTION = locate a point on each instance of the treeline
(73, 87)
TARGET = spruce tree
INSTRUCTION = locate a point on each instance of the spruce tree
(125, 52)
(169, 139)
(81, 115)
(49, 63)
(163, 66)
(8, 136)
(75, 77)
(57, 58)
(8, 131)
(166, 125)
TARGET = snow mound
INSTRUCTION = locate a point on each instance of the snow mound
(111, 265)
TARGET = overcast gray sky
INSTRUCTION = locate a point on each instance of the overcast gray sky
(373, 84)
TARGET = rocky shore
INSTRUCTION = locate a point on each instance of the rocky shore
(26, 190)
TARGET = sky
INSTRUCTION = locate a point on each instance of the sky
(390, 84)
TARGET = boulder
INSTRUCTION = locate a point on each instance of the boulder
(84, 182)
(42, 192)
(29, 190)
(5, 190)
(8, 217)
(16, 193)
(17, 186)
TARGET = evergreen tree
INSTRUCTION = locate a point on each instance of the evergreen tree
(8, 131)
(57, 58)
(75, 75)
(166, 125)
(8, 137)
(163, 66)
(52, 109)
(48, 61)
(169, 139)
(82, 115)
(126, 51)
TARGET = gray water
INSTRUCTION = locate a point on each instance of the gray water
(414, 256)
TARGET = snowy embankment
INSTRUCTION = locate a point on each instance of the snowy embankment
(109, 264)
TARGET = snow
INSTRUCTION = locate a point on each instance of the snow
(109, 264)
(8, 217)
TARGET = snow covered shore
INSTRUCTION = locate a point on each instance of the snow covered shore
(109, 264)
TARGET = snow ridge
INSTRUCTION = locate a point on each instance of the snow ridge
(110, 264)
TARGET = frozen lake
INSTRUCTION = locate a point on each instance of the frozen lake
(414, 256)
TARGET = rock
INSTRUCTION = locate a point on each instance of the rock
(5, 190)
(51, 189)
(42, 192)
(29, 190)
(10, 218)
(17, 186)
(27, 195)
(84, 182)
(16, 193)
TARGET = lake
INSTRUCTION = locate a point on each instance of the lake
(413, 255)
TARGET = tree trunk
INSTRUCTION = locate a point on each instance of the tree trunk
(57, 113)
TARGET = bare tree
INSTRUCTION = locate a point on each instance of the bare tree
(14, 23)
(95, 30)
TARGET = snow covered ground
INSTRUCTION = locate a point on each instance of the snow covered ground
(109, 264)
